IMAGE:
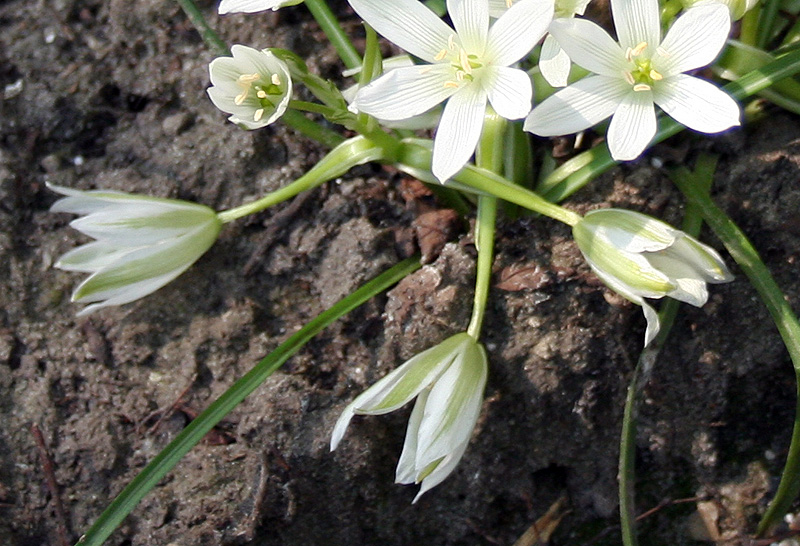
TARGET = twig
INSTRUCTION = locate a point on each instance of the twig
(52, 486)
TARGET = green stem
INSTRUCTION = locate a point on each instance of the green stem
(749, 27)
(333, 30)
(311, 129)
(748, 259)
(166, 460)
(766, 23)
(578, 171)
(209, 36)
(415, 159)
(355, 151)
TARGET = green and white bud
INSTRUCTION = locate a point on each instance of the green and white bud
(448, 382)
(253, 6)
(640, 257)
(142, 243)
(253, 86)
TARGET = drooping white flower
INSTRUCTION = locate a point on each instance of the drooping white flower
(142, 243)
(468, 67)
(554, 63)
(640, 70)
(253, 6)
(448, 382)
(253, 86)
(640, 257)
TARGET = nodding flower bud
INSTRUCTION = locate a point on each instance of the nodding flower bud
(448, 382)
(640, 257)
(253, 86)
(253, 6)
(142, 243)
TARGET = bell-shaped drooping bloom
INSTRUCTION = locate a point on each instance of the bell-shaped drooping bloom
(467, 67)
(253, 6)
(554, 63)
(640, 257)
(448, 382)
(142, 243)
(638, 72)
(253, 86)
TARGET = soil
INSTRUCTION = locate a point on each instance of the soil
(112, 94)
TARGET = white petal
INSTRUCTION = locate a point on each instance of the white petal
(471, 20)
(694, 40)
(637, 21)
(92, 257)
(458, 132)
(590, 46)
(509, 91)
(407, 23)
(252, 6)
(405, 92)
(406, 467)
(515, 33)
(705, 260)
(497, 8)
(554, 63)
(442, 470)
(632, 127)
(577, 107)
(341, 425)
(653, 324)
(696, 103)
(135, 225)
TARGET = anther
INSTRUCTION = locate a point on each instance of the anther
(509, 3)
(636, 51)
(451, 85)
(275, 79)
(258, 115)
(629, 78)
(239, 99)
(261, 94)
(248, 78)
(451, 44)
(464, 60)
(655, 76)
(441, 55)
(628, 55)
(641, 87)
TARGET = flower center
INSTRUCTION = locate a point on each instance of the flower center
(463, 63)
(642, 75)
(254, 86)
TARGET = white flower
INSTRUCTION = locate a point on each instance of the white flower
(554, 63)
(737, 7)
(448, 382)
(253, 6)
(468, 66)
(635, 73)
(253, 86)
(142, 243)
(640, 257)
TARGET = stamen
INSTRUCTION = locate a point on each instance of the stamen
(655, 76)
(450, 85)
(464, 60)
(258, 115)
(451, 44)
(460, 75)
(509, 3)
(639, 49)
(239, 99)
(275, 79)
(261, 94)
(641, 87)
(248, 78)
(425, 69)
(629, 78)
(441, 55)
(629, 55)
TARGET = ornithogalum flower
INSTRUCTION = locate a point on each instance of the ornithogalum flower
(253, 86)
(640, 70)
(640, 257)
(554, 63)
(253, 6)
(448, 382)
(467, 67)
(142, 243)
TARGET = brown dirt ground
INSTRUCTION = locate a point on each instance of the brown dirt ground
(111, 94)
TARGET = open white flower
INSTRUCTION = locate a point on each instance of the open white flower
(554, 63)
(448, 382)
(142, 243)
(253, 6)
(640, 70)
(640, 257)
(253, 86)
(468, 67)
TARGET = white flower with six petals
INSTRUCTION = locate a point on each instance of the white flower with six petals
(468, 67)
(640, 70)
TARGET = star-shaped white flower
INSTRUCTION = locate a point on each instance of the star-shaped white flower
(640, 70)
(468, 67)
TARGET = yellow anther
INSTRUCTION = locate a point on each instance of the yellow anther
(629, 78)
(628, 54)
(655, 76)
(460, 75)
(248, 78)
(509, 3)
(275, 79)
(639, 49)
(261, 94)
(258, 115)
(239, 99)
(451, 44)
(441, 55)
(463, 58)
(641, 87)
(425, 69)
(450, 85)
